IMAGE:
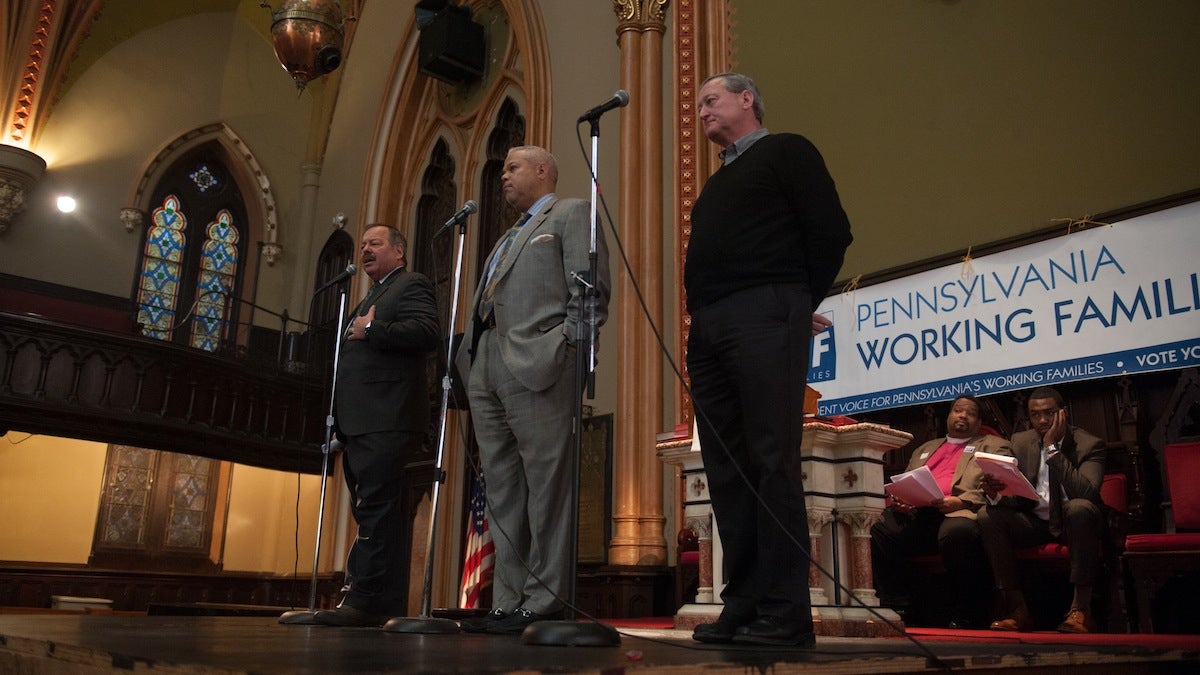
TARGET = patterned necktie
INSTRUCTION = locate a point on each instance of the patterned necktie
(369, 299)
(488, 302)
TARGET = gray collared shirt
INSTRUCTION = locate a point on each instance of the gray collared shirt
(736, 148)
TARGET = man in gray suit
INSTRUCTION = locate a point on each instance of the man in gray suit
(519, 372)
(381, 411)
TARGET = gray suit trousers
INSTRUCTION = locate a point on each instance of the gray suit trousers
(525, 445)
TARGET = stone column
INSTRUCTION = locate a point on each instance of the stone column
(638, 518)
(818, 520)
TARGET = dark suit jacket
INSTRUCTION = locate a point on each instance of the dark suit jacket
(966, 473)
(536, 299)
(1079, 465)
(381, 383)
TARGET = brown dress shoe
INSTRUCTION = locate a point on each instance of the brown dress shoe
(1077, 621)
(1018, 620)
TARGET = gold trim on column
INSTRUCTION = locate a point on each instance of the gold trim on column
(703, 47)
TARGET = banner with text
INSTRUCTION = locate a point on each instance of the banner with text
(1122, 298)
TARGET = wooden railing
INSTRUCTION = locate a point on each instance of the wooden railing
(78, 382)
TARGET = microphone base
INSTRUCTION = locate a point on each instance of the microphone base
(571, 634)
(422, 625)
(299, 617)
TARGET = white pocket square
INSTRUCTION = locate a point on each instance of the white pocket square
(542, 237)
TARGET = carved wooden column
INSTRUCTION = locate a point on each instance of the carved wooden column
(638, 514)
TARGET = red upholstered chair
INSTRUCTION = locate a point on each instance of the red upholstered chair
(1152, 559)
(687, 572)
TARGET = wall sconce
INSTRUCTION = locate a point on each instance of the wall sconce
(307, 36)
(20, 170)
(132, 218)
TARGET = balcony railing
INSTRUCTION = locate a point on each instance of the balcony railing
(71, 381)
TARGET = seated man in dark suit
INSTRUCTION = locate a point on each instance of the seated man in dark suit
(1065, 464)
(946, 526)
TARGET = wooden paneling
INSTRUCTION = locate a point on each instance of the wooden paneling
(34, 586)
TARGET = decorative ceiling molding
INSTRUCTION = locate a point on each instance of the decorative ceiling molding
(41, 39)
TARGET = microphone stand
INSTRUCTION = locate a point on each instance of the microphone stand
(426, 624)
(306, 617)
(570, 632)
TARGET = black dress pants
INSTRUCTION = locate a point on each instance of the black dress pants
(376, 570)
(1005, 529)
(898, 537)
(748, 362)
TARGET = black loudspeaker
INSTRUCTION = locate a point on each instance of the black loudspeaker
(451, 46)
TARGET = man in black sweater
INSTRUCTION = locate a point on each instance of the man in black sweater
(768, 238)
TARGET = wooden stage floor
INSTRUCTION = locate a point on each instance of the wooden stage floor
(199, 645)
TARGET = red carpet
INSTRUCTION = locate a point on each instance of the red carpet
(649, 622)
(1153, 641)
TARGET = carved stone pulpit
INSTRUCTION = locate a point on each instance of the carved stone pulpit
(843, 485)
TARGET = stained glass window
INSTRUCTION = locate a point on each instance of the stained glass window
(161, 269)
(203, 178)
(215, 283)
(126, 500)
(187, 508)
(189, 277)
(156, 510)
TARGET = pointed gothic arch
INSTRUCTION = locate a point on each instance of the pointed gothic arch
(230, 206)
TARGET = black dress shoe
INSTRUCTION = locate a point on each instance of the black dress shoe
(718, 632)
(772, 630)
(347, 616)
(479, 624)
(961, 623)
(515, 623)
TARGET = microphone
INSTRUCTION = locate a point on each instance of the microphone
(459, 216)
(346, 274)
(619, 100)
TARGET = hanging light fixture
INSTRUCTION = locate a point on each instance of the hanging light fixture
(307, 36)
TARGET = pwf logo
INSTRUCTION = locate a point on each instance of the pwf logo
(822, 357)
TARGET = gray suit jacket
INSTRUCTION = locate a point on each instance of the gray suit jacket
(536, 299)
(966, 473)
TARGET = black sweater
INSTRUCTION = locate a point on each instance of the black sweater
(771, 216)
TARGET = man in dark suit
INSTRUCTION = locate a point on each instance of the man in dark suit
(519, 371)
(946, 526)
(381, 411)
(1065, 464)
(768, 237)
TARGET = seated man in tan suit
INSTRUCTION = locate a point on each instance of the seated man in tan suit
(946, 526)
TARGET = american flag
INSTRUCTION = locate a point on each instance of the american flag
(480, 555)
